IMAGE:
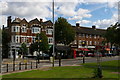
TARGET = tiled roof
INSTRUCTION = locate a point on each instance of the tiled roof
(92, 31)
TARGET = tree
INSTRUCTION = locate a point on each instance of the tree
(5, 44)
(33, 47)
(64, 32)
(42, 41)
(24, 49)
(112, 34)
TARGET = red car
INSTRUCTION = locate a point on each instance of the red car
(81, 55)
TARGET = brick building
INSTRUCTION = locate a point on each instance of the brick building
(23, 31)
(92, 36)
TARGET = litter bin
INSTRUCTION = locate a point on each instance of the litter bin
(51, 59)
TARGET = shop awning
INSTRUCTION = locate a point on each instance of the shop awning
(84, 49)
(107, 49)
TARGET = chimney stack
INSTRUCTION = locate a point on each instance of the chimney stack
(41, 20)
(93, 26)
(9, 21)
(77, 25)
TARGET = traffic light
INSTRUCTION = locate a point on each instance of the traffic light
(83, 43)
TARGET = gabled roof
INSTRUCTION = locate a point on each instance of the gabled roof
(17, 20)
(49, 22)
(24, 20)
(35, 21)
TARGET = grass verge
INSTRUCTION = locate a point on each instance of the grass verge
(109, 69)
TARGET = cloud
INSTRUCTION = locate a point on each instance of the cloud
(80, 14)
(28, 10)
(106, 22)
(66, 9)
(83, 22)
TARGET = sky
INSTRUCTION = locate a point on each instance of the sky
(101, 13)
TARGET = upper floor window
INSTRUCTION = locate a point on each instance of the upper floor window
(94, 42)
(83, 35)
(24, 29)
(90, 42)
(35, 30)
(80, 41)
(95, 36)
(79, 35)
(49, 31)
(90, 36)
(98, 36)
(15, 28)
(86, 35)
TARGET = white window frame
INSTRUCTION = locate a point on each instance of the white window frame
(36, 30)
(24, 29)
(15, 28)
(49, 31)
(50, 40)
(90, 42)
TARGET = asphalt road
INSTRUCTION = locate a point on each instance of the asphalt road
(64, 62)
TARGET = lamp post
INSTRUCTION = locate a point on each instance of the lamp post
(38, 40)
(83, 44)
(14, 60)
(53, 35)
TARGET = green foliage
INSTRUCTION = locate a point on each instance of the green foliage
(24, 49)
(64, 33)
(98, 73)
(42, 41)
(33, 47)
(5, 44)
(113, 34)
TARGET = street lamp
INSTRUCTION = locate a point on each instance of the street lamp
(83, 44)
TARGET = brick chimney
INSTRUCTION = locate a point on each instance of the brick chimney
(77, 25)
(94, 27)
(9, 21)
(41, 20)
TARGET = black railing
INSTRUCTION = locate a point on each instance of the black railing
(19, 66)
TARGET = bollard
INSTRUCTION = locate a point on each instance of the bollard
(7, 67)
(31, 65)
(20, 66)
(13, 66)
(25, 66)
(36, 64)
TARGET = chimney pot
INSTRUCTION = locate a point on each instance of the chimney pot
(41, 20)
(77, 25)
(93, 26)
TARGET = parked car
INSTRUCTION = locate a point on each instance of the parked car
(99, 54)
(43, 55)
(90, 54)
(81, 55)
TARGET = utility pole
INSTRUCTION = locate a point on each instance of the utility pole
(53, 36)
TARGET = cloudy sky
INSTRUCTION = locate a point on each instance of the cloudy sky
(100, 13)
